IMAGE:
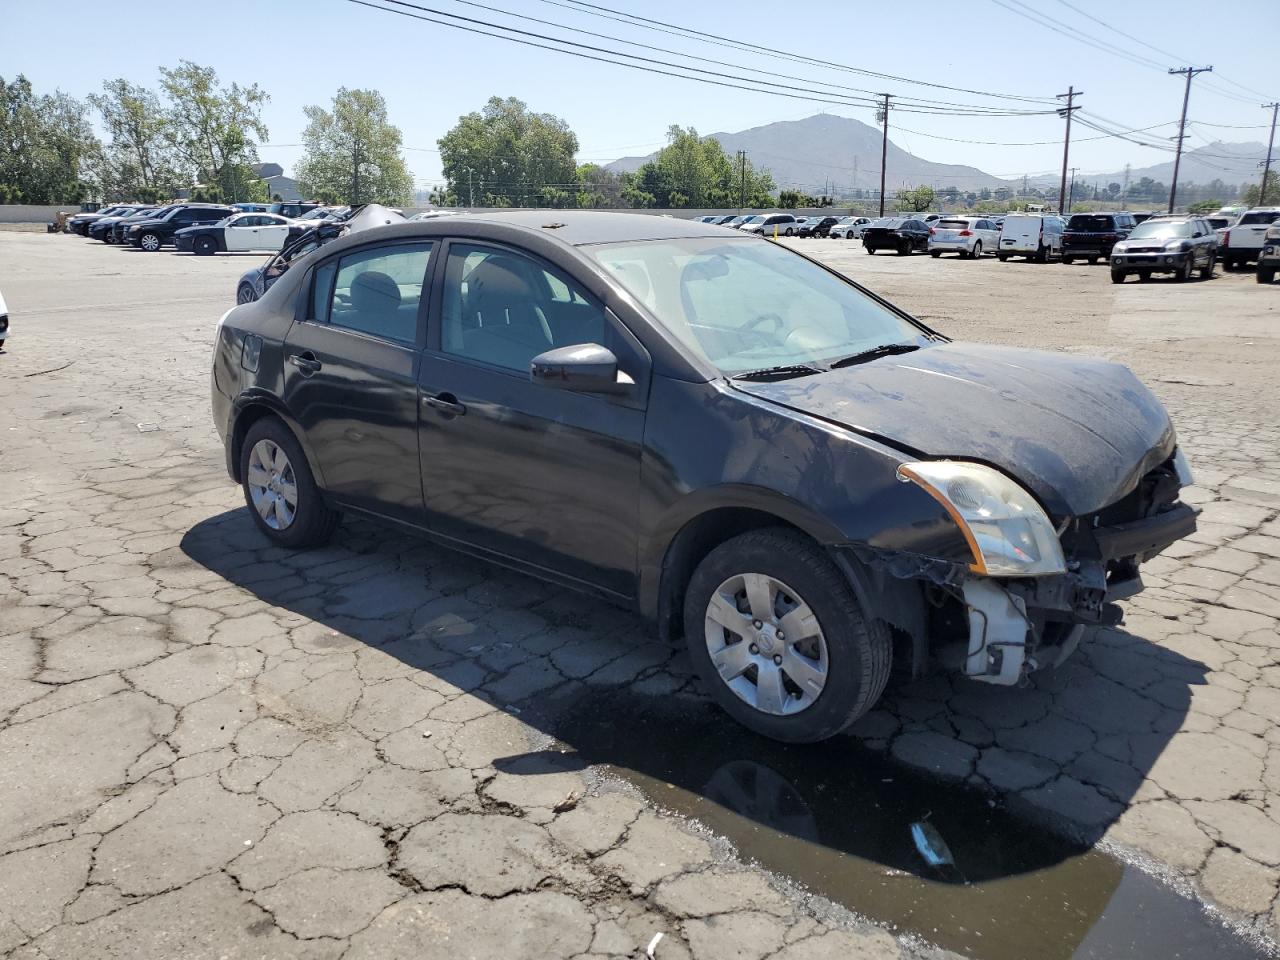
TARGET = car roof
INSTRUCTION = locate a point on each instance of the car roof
(578, 227)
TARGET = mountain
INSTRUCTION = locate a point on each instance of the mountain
(824, 149)
(1232, 163)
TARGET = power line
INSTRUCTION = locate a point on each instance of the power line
(661, 26)
(801, 93)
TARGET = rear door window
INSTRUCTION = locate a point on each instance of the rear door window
(375, 291)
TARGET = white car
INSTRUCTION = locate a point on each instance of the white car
(240, 233)
(1036, 236)
(967, 236)
(781, 224)
(848, 228)
(1242, 242)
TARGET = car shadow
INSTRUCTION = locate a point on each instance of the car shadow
(1071, 749)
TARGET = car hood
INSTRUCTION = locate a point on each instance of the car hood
(1078, 433)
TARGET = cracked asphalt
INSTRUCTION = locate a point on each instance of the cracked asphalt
(210, 747)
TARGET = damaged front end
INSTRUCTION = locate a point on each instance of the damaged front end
(1035, 585)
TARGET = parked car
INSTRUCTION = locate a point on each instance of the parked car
(968, 236)
(79, 223)
(239, 233)
(1142, 216)
(100, 229)
(771, 224)
(1269, 258)
(151, 235)
(1092, 235)
(4, 321)
(848, 228)
(1176, 245)
(118, 231)
(252, 207)
(901, 234)
(747, 220)
(254, 283)
(749, 449)
(817, 226)
(1035, 236)
(1242, 243)
(291, 209)
(726, 220)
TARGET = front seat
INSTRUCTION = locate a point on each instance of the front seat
(503, 323)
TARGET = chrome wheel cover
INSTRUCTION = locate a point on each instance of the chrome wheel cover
(150, 243)
(766, 644)
(245, 294)
(272, 485)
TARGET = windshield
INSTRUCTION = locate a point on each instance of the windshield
(1259, 216)
(743, 305)
(1090, 224)
(1160, 230)
(756, 219)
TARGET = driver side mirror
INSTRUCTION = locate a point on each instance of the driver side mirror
(583, 368)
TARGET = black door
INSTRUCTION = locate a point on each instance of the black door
(541, 476)
(351, 376)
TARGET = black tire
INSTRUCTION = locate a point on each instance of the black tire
(1068, 260)
(1093, 261)
(1002, 257)
(149, 242)
(976, 253)
(1206, 272)
(1186, 271)
(1117, 276)
(904, 249)
(246, 294)
(1228, 263)
(313, 521)
(788, 232)
(870, 250)
(108, 238)
(1042, 255)
(204, 246)
(1144, 276)
(1266, 275)
(859, 651)
(935, 253)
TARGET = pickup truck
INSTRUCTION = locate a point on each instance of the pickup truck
(1243, 242)
(1268, 260)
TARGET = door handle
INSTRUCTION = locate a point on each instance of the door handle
(446, 403)
(306, 362)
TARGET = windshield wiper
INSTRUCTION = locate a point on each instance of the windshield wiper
(884, 350)
(783, 371)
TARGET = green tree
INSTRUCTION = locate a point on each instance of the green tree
(211, 129)
(353, 152)
(1251, 195)
(138, 162)
(917, 200)
(507, 155)
(694, 172)
(45, 145)
(1206, 206)
(599, 188)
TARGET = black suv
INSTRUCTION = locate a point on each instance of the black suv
(151, 235)
(817, 226)
(1093, 235)
(902, 234)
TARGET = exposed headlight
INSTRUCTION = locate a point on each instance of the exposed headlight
(1008, 532)
(1182, 469)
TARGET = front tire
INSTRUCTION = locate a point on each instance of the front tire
(813, 666)
(1265, 276)
(935, 254)
(1186, 272)
(246, 294)
(1206, 272)
(1117, 276)
(149, 242)
(976, 254)
(282, 495)
(204, 246)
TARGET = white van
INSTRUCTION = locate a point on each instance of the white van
(1034, 236)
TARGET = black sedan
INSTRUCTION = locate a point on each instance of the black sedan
(817, 226)
(754, 452)
(900, 234)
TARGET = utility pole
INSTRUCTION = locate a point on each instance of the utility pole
(1066, 111)
(1266, 170)
(884, 147)
(471, 196)
(1190, 73)
(1071, 194)
(1124, 190)
(742, 180)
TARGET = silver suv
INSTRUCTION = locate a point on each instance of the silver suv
(1176, 245)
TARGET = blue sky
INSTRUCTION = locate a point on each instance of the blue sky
(301, 51)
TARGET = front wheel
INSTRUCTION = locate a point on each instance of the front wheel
(869, 249)
(935, 253)
(1002, 257)
(1093, 261)
(1265, 276)
(282, 495)
(1068, 260)
(1185, 271)
(1117, 276)
(149, 242)
(246, 294)
(205, 246)
(1206, 272)
(788, 232)
(779, 639)
(977, 251)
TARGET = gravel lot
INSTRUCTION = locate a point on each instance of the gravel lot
(212, 748)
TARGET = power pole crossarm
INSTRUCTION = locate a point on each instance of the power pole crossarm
(1266, 170)
(1066, 111)
(1190, 73)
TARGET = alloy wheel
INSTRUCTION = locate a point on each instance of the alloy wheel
(766, 644)
(150, 242)
(272, 485)
(246, 294)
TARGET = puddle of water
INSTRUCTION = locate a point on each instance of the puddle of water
(836, 818)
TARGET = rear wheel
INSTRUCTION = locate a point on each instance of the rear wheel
(1068, 260)
(1002, 257)
(1144, 276)
(788, 232)
(977, 251)
(904, 248)
(1228, 263)
(869, 249)
(779, 639)
(1042, 254)
(1093, 261)
(1206, 272)
(935, 253)
(280, 491)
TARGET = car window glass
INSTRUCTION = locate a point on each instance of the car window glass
(504, 308)
(375, 291)
(744, 305)
(1259, 216)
